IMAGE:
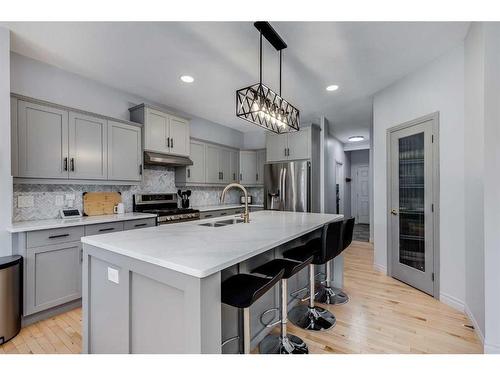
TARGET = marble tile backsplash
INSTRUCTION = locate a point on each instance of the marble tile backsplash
(156, 180)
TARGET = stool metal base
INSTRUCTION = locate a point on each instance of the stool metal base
(311, 318)
(330, 295)
(291, 344)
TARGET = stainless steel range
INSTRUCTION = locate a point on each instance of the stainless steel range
(165, 206)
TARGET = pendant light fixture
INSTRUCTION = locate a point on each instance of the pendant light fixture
(259, 104)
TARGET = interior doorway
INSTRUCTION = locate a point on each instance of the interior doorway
(413, 200)
(339, 187)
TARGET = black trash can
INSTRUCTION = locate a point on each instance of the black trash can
(11, 274)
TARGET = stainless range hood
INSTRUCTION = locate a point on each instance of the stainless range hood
(154, 158)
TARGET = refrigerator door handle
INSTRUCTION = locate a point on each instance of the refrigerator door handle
(283, 190)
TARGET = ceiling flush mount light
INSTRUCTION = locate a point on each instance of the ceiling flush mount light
(187, 79)
(356, 138)
(332, 88)
(259, 104)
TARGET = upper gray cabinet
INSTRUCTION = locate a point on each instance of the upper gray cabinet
(52, 143)
(193, 174)
(289, 146)
(163, 133)
(124, 152)
(261, 160)
(88, 147)
(252, 167)
(42, 141)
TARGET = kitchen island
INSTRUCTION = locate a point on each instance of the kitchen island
(157, 290)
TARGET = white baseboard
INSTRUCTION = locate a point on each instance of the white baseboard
(452, 301)
(473, 320)
(380, 268)
(491, 349)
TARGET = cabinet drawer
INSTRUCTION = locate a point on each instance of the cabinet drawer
(91, 230)
(137, 224)
(209, 214)
(54, 236)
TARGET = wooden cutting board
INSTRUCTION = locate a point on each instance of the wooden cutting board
(100, 203)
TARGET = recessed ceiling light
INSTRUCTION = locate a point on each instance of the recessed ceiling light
(356, 138)
(332, 88)
(187, 79)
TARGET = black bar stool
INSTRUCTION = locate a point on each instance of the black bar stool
(242, 291)
(311, 317)
(327, 293)
(284, 343)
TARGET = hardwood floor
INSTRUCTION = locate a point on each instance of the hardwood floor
(382, 316)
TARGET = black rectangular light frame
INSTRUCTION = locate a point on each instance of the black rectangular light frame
(270, 34)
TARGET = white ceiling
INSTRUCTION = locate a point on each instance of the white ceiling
(147, 59)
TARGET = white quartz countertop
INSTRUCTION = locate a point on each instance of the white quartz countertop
(201, 251)
(32, 225)
(225, 206)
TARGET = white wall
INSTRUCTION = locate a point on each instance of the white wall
(438, 86)
(358, 158)
(5, 177)
(491, 187)
(42, 81)
(474, 175)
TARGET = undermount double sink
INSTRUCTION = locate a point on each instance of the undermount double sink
(222, 223)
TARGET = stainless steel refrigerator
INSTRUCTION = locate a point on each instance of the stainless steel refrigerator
(287, 186)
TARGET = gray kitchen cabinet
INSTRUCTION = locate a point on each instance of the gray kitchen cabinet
(163, 132)
(261, 160)
(248, 167)
(193, 174)
(289, 146)
(42, 141)
(88, 147)
(234, 166)
(276, 145)
(124, 152)
(225, 165)
(179, 136)
(91, 230)
(212, 165)
(53, 276)
(139, 224)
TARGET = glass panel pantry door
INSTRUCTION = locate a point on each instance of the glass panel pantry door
(411, 206)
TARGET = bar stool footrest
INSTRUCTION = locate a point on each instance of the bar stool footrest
(291, 344)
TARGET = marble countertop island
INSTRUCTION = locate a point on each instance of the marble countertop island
(200, 251)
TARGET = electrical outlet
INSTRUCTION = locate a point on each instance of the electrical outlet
(113, 275)
(59, 200)
(25, 201)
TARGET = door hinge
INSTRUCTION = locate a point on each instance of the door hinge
(433, 276)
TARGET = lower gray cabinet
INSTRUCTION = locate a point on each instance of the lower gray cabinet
(53, 276)
(138, 224)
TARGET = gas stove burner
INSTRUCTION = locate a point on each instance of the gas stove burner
(165, 207)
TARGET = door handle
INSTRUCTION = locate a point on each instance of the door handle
(172, 142)
(394, 212)
(72, 162)
(65, 164)
(168, 142)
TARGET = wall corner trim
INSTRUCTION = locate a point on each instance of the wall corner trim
(473, 320)
(452, 301)
(380, 268)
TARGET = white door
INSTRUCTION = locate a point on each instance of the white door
(411, 205)
(179, 136)
(248, 167)
(124, 152)
(261, 159)
(212, 165)
(196, 172)
(362, 199)
(88, 147)
(276, 147)
(299, 145)
(43, 141)
(156, 131)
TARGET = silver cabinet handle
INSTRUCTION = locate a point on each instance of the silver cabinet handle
(59, 236)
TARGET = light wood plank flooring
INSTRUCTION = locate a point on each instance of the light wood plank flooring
(382, 316)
